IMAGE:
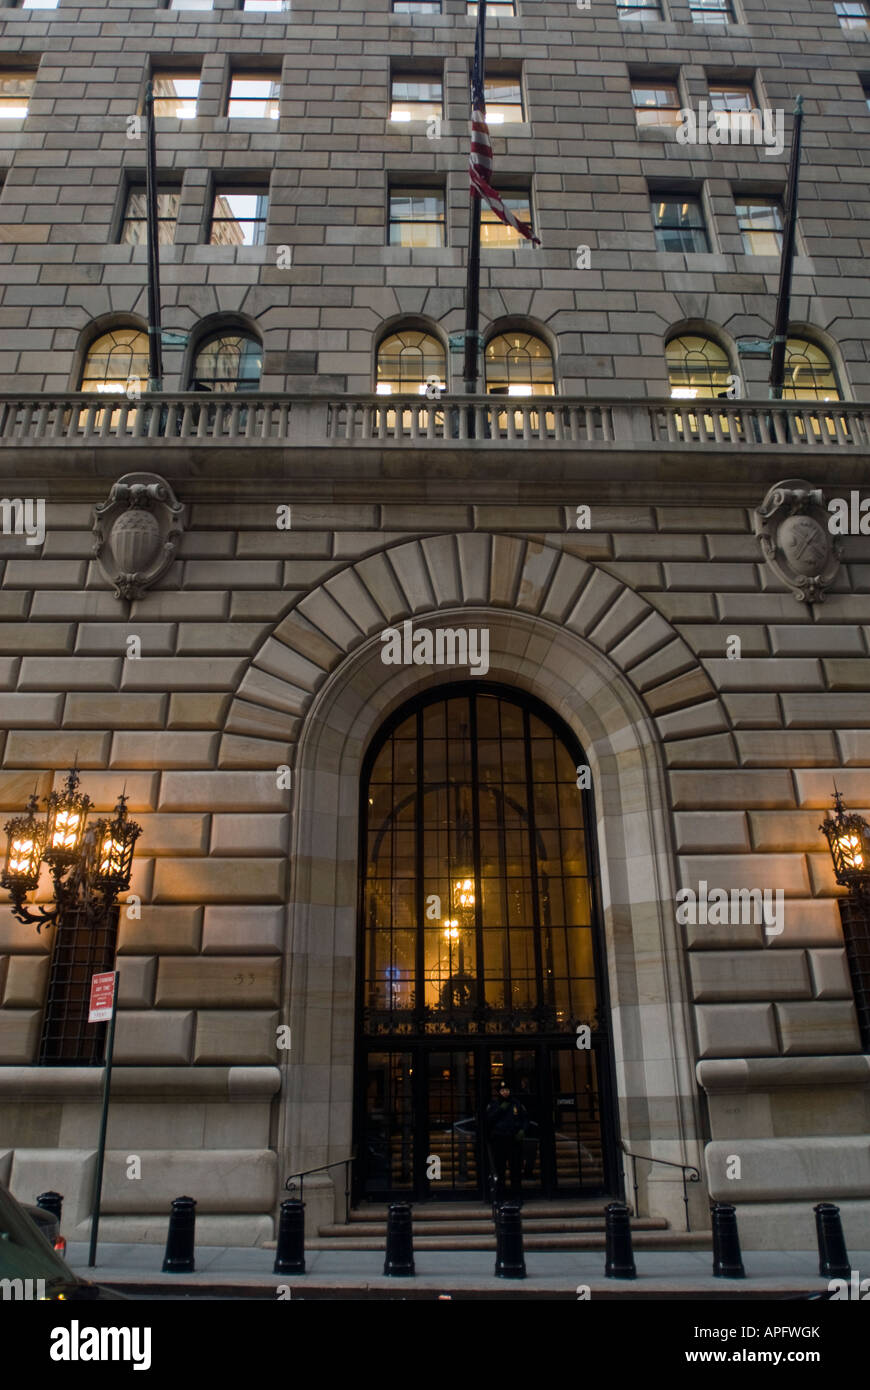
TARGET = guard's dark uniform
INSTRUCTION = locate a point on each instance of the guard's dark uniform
(506, 1122)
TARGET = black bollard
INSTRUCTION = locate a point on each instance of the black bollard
(180, 1241)
(290, 1255)
(727, 1259)
(619, 1257)
(833, 1255)
(399, 1259)
(51, 1201)
(510, 1260)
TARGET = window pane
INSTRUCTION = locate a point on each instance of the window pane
(15, 90)
(518, 364)
(239, 217)
(228, 362)
(504, 100)
(679, 224)
(414, 100)
(254, 98)
(494, 233)
(115, 357)
(760, 223)
(134, 229)
(175, 94)
(416, 217)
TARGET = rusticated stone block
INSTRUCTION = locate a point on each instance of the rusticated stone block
(818, 1027)
(243, 930)
(161, 930)
(19, 1035)
(736, 1030)
(153, 1038)
(738, 975)
(241, 1037)
(216, 880)
(26, 981)
(232, 982)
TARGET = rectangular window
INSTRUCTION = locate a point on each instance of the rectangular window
(416, 97)
(417, 217)
(39, 4)
(493, 233)
(416, 6)
(735, 106)
(16, 87)
(254, 98)
(190, 4)
(760, 222)
(175, 94)
(239, 215)
(504, 100)
(270, 6)
(656, 104)
(134, 227)
(638, 9)
(679, 222)
(711, 11)
(853, 14)
(499, 8)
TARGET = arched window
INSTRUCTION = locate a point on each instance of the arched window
(697, 367)
(409, 360)
(479, 957)
(114, 358)
(518, 364)
(229, 360)
(809, 375)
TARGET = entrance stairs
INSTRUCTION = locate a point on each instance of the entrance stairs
(556, 1225)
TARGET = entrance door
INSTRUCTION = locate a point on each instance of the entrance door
(480, 954)
(423, 1125)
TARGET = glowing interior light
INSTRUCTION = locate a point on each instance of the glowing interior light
(684, 393)
(384, 388)
(399, 113)
(519, 390)
(495, 117)
(66, 830)
(21, 856)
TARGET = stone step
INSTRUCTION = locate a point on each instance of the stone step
(540, 1225)
(479, 1211)
(579, 1240)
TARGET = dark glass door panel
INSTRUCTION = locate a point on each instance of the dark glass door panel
(521, 1069)
(387, 1148)
(452, 1168)
(578, 1149)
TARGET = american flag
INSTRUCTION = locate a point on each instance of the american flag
(480, 161)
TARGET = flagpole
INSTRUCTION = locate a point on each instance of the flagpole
(472, 290)
(155, 351)
(783, 298)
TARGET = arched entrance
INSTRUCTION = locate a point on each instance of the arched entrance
(479, 951)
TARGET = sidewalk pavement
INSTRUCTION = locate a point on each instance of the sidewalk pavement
(247, 1273)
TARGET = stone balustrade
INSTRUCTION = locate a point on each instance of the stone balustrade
(486, 421)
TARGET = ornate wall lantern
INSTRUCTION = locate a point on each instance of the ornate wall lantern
(848, 836)
(89, 866)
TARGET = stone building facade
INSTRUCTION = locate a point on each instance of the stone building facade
(261, 644)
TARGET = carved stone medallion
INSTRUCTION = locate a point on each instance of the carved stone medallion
(792, 525)
(137, 529)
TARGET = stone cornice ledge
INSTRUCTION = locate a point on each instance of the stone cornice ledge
(770, 1073)
(41, 1084)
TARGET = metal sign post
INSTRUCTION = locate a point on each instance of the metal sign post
(103, 1007)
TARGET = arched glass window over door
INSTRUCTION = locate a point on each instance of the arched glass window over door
(409, 361)
(230, 360)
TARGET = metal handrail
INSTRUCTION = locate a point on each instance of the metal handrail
(694, 1176)
(323, 1168)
